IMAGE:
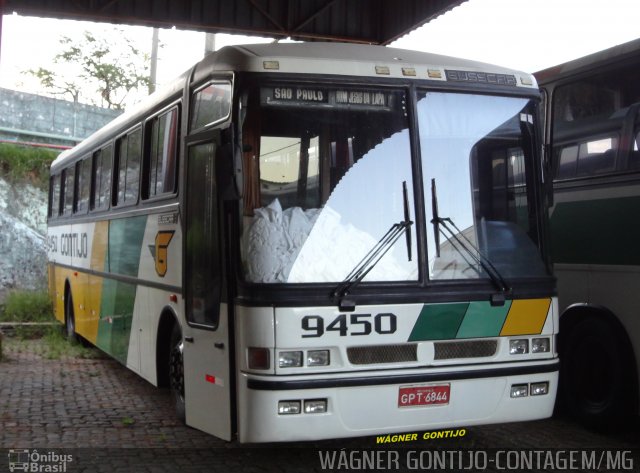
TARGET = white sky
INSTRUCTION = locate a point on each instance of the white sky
(522, 34)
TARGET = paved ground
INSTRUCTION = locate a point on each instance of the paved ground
(109, 419)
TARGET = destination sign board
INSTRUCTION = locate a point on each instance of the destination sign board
(333, 98)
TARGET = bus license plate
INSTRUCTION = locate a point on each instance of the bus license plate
(423, 395)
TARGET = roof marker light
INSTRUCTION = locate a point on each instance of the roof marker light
(434, 74)
(408, 71)
(383, 70)
(526, 81)
(271, 65)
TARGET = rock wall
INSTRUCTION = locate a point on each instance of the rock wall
(23, 226)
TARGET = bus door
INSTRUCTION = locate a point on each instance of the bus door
(206, 337)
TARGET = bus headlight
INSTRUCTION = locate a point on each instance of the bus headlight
(318, 358)
(290, 359)
(288, 407)
(519, 390)
(315, 406)
(538, 389)
(540, 345)
(518, 346)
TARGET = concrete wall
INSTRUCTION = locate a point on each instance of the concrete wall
(30, 117)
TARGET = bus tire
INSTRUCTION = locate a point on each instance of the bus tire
(595, 375)
(69, 318)
(176, 372)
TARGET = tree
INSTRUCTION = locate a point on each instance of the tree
(110, 68)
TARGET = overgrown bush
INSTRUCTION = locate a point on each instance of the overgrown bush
(26, 164)
(28, 306)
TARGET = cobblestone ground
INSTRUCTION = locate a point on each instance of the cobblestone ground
(109, 419)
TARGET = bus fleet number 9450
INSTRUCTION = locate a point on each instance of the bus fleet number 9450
(356, 324)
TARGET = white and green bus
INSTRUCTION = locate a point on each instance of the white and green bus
(593, 134)
(309, 241)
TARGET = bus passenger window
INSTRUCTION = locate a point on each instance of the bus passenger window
(83, 171)
(101, 177)
(163, 154)
(54, 196)
(211, 104)
(128, 166)
(568, 156)
(67, 190)
(597, 156)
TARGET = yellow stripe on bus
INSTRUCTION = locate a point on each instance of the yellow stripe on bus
(526, 317)
(93, 297)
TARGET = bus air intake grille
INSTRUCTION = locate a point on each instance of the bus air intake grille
(375, 354)
(466, 349)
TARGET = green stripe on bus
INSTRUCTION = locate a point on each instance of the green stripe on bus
(483, 320)
(118, 298)
(125, 243)
(116, 315)
(438, 322)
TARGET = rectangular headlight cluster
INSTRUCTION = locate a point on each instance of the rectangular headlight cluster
(520, 346)
(294, 359)
(308, 406)
(533, 389)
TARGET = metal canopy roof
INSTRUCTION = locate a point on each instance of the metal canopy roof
(357, 21)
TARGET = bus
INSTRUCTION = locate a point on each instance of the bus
(593, 135)
(312, 241)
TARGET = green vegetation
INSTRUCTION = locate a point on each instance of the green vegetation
(26, 164)
(57, 346)
(28, 306)
(51, 343)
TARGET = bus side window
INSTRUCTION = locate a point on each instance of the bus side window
(83, 171)
(597, 156)
(161, 169)
(54, 196)
(101, 179)
(567, 158)
(128, 157)
(68, 190)
(211, 104)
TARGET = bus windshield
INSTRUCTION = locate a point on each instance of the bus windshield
(324, 173)
(478, 175)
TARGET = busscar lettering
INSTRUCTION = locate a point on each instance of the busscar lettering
(481, 77)
(75, 245)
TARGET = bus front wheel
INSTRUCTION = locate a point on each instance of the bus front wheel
(176, 371)
(595, 375)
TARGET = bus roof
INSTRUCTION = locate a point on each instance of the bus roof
(340, 59)
(599, 59)
(303, 58)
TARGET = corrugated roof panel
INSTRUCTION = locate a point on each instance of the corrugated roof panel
(370, 21)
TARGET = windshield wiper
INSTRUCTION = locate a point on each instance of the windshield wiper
(440, 223)
(375, 254)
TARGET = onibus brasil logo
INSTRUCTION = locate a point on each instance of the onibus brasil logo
(34, 461)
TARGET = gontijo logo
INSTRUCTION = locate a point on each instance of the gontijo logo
(34, 461)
